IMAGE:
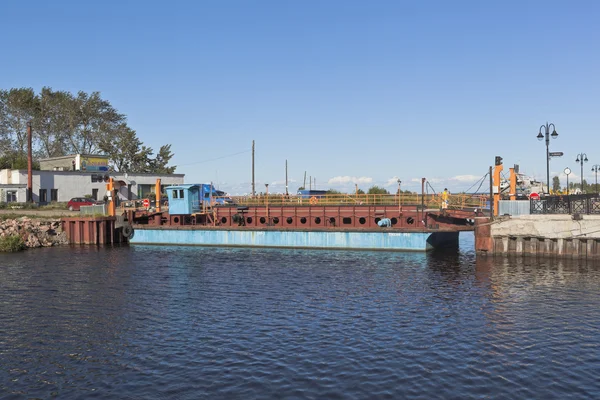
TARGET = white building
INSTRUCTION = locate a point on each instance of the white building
(63, 185)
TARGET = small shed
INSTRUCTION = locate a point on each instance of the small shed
(183, 199)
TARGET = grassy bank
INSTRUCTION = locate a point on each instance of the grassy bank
(11, 244)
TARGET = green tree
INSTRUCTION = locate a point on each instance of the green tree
(17, 108)
(360, 191)
(377, 190)
(64, 123)
(555, 183)
(333, 191)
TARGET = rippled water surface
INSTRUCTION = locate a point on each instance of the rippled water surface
(189, 323)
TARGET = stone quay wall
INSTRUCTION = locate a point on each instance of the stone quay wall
(34, 232)
(548, 235)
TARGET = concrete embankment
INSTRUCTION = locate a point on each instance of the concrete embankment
(565, 236)
(34, 232)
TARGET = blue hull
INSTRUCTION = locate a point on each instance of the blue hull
(396, 241)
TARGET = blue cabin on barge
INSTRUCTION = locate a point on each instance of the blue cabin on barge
(191, 198)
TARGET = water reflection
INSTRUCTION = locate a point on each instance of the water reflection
(245, 323)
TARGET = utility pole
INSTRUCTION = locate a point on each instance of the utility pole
(253, 187)
(29, 165)
(286, 179)
(310, 182)
(304, 183)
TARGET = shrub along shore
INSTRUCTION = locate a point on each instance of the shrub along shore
(25, 233)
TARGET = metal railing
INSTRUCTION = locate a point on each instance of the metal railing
(572, 204)
(457, 201)
(96, 209)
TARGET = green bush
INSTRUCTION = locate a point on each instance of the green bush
(11, 244)
(55, 205)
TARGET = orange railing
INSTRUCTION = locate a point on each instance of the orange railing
(456, 201)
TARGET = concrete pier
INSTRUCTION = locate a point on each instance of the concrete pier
(564, 236)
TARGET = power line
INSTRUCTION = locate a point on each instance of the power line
(213, 159)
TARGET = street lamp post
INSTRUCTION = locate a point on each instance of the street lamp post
(567, 173)
(596, 168)
(581, 157)
(547, 134)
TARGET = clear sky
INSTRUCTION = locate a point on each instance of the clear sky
(350, 92)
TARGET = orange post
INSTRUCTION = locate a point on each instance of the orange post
(513, 184)
(112, 204)
(497, 170)
(157, 191)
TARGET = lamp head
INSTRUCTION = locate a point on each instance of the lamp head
(540, 136)
(577, 160)
(554, 134)
(586, 159)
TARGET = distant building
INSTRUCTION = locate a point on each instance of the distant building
(76, 162)
(62, 185)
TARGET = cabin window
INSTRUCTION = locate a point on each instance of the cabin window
(54, 194)
(317, 220)
(174, 194)
(181, 193)
(362, 220)
(206, 195)
(394, 221)
(289, 220)
(346, 220)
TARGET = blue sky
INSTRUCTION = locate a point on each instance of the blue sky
(350, 92)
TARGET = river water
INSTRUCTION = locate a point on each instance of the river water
(150, 322)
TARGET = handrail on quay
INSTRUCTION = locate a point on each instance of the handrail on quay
(567, 204)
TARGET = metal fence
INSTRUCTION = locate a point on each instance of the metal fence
(97, 209)
(572, 204)
(514, 207)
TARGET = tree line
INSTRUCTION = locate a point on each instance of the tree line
(65, 123)
(573, 186)
(372, 190)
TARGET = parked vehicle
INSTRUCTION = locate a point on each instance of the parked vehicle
(76, 202)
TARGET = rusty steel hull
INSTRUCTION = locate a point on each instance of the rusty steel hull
(348, 218)
(330, 227)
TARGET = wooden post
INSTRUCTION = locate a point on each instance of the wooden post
(29, 165)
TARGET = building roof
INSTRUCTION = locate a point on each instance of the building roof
(185, 186)
(69, 156)
(110, 173)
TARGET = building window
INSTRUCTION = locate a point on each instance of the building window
(53, 194)
(43, 195)
(174, 194)
(95, 194)
(11, 196)
(181, 193)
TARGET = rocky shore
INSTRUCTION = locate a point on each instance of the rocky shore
(34, 232)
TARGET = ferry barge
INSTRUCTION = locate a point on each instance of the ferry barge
(196, 216)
